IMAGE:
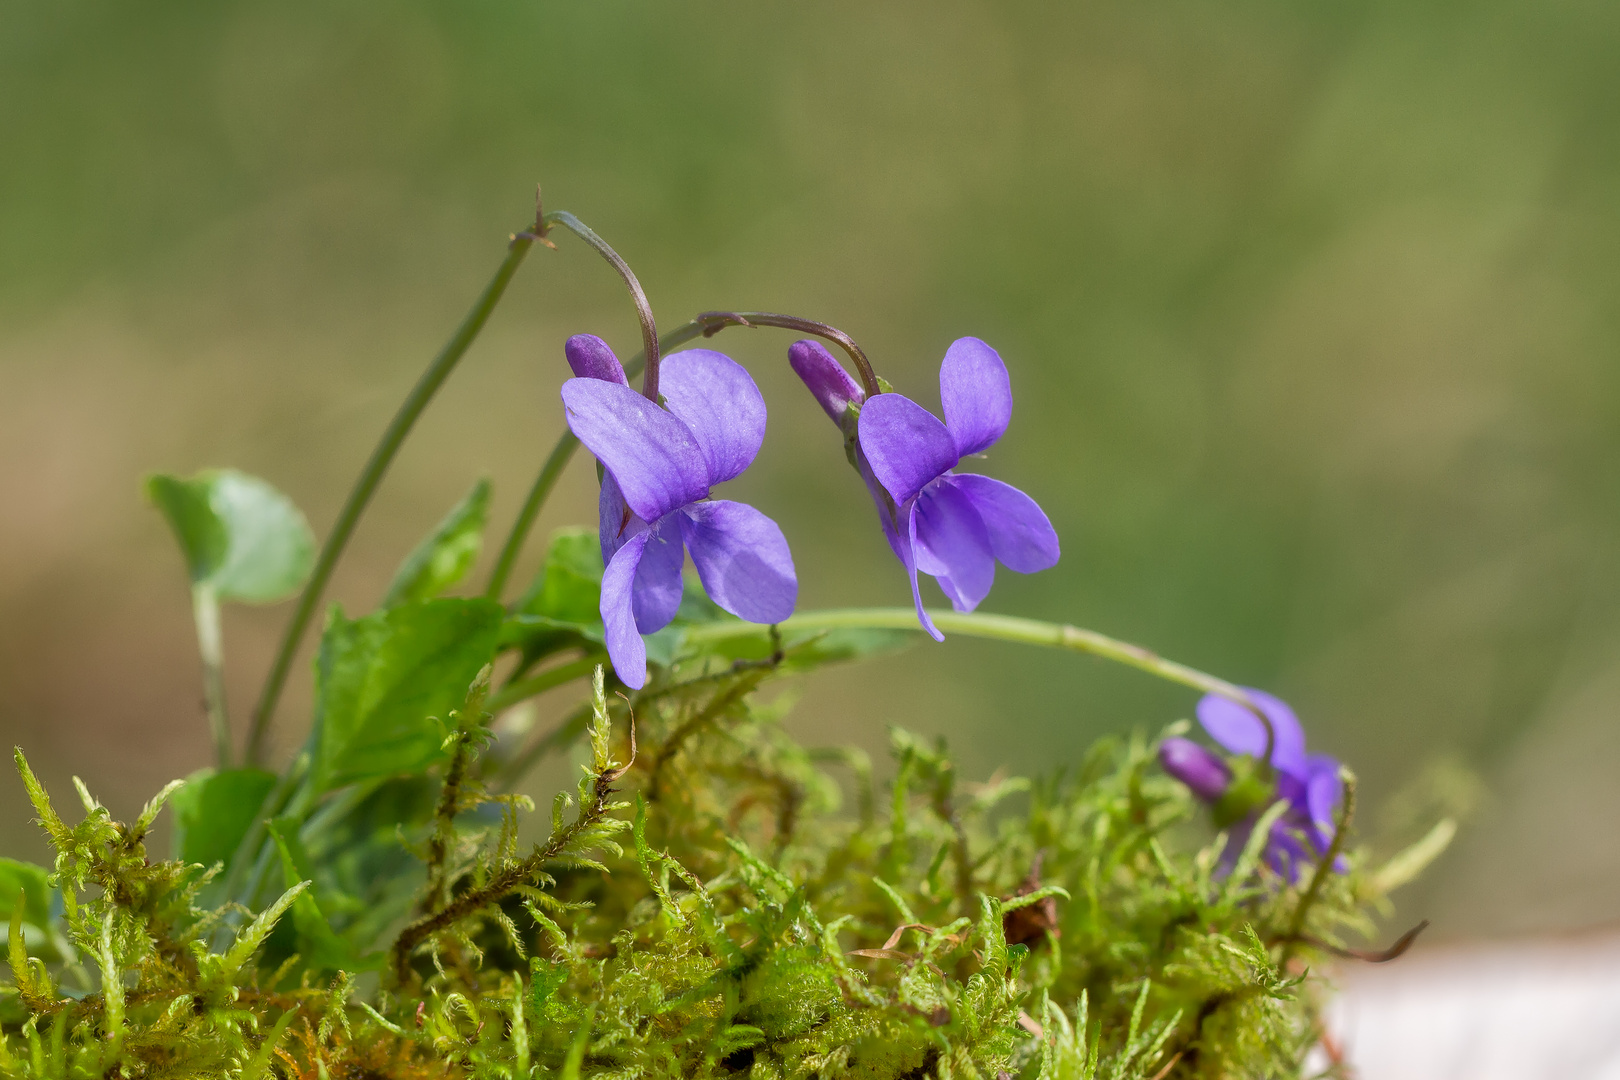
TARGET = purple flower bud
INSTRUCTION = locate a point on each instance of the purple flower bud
(825, 377)
(1204, 773)
(590, 358)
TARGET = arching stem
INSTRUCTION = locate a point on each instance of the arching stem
(649, 329)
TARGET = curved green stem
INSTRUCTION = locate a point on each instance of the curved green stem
(649, 329)
(514, 692)
(366, 486)
(997, 627)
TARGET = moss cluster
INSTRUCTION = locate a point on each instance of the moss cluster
(704, 908)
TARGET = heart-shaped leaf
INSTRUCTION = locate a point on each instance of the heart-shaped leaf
(241, 538)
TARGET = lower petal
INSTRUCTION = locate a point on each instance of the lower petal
(656, 593)
(909, 559)
(616, 522)
(625, 647)
(953, 545)
(742, 559)
(1021, 535)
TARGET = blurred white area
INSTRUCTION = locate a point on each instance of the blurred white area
(1518, 1010)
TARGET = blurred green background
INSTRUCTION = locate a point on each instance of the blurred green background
(1311, 312)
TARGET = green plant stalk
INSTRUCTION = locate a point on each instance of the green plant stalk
(1347, 814)
(211, 647)
(371, 477)
(995, 627)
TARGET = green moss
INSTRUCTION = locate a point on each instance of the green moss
(703, 910)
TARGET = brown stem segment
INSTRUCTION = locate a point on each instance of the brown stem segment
(649, 329)
(722, 319)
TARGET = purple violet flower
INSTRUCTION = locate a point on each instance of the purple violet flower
(659, 466)
(954, 526)
(1309, 783)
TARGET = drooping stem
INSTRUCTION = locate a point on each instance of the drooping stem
(370, 478)
(869, 379)
(210, 646)
(649, 329)
(998, 627)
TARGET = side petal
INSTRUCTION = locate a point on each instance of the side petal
(656, 593)
(976, 394)
(719, 402)
(625, 648)
(906, 444)
(908, 558)
(825, 376)
(1241, 732)
(742, 559)
(1021, 534)
(953, 545)
(615, 521)
(590, 358)
(886, 509)
(1322, 793)
(654, 457)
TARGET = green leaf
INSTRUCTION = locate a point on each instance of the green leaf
(444, 557)
(568, 587)
(214, 810)
(240, 536)
(382, 680)
(22, 884)
(321, 946)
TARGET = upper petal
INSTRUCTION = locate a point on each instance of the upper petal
(652, 454)
(906, 444)
(656, 594)
(590, 358)
(1021, 535)
(825, 376)
(1240, 731)
(625, 647)
(952, 544)
(742, 559)
(719, 402)
(976, 394)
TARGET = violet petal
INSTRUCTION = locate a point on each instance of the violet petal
(1021, 535)
(590, 358)
(654, 456)
(886, 508)
(719, 403)
(742, 558)
(825, 376)
(906, 444)
(909, 559)
(1198, 768)
(952, 545)
(976, 395)
(656, 592)
(625, 647)
(615, 521)
(1240, 731)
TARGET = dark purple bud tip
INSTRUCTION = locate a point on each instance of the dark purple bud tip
(590, 358)
(1196, 767)
(825, 377)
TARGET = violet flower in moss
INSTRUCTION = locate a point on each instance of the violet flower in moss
(660, 465)
(953, 526)
(1239, 793)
